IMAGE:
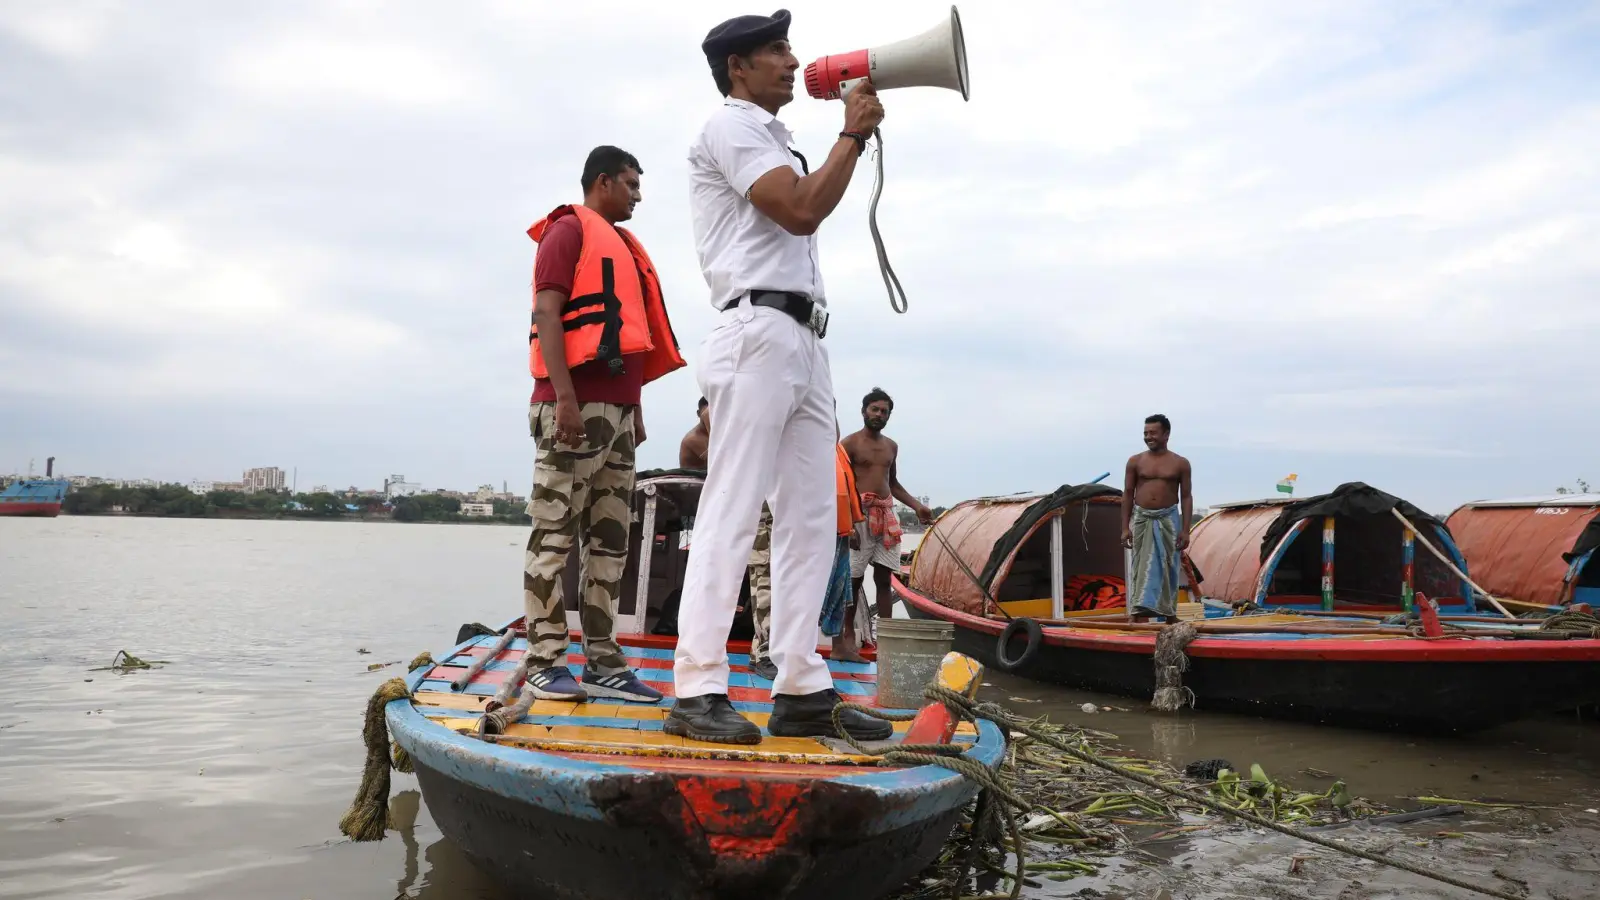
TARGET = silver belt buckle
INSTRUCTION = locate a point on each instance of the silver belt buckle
(819, 321)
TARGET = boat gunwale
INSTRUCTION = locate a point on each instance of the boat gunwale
(562, 783)
(1491, 650)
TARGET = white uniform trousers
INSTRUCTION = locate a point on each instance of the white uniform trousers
(767, 381)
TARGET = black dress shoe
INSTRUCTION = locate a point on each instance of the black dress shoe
(765, 668)
(811, 715)
(710, 717)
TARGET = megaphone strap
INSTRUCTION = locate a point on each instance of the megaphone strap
(891, 281)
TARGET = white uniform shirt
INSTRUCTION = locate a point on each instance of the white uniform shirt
(740, 248)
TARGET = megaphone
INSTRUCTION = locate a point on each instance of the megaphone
(935, 58)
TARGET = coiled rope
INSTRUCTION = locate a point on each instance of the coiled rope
(368, 816)
(948, 756)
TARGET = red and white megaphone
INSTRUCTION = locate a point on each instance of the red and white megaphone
(935, 58)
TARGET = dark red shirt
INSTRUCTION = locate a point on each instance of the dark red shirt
(554, 265)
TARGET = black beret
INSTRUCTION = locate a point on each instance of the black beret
(742, 34)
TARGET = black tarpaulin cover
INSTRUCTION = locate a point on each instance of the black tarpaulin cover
(1353, 498)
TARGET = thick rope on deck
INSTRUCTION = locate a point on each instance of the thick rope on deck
(369, 812)
(1171, 663)
(1573, 623)
(948, 756)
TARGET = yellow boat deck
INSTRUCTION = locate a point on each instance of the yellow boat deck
(628, 731)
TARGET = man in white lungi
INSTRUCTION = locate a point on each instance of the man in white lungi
(756, 208)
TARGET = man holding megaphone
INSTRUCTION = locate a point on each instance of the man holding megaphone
(765, 372)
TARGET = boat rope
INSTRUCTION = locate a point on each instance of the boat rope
(950, 756)
(1171, 694)
(968, 710)
(1573, 623)
(368, 816)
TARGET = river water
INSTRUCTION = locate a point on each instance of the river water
(224, 772)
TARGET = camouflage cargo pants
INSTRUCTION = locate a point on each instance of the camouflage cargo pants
(585, 490)
(760, 575)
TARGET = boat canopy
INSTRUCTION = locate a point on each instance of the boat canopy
(1344, 548)
(1037, 555)
(1533, 549)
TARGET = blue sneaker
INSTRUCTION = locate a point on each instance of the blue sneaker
(623, 686)
(556, 683)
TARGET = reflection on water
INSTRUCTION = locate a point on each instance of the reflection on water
(224, 773)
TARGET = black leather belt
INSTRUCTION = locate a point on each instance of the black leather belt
(797, 306)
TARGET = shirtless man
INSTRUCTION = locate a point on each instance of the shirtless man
(696, 446)
(695, 453)
(1152, 525)
(875, 459)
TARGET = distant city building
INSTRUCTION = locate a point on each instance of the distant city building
(477, 509)
(397, 486)
(320, 489)
(234, 486)
(485, 494)
(202, 487)
(265, 479)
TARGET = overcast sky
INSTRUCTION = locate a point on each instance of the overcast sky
(1350, 240)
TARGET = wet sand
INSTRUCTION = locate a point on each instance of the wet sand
(225, 772)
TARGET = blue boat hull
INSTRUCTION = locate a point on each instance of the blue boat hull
(648, 844)
(554, 826)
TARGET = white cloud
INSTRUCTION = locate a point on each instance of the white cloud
(1370, 224)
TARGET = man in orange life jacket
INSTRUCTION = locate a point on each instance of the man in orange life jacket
(600, 333)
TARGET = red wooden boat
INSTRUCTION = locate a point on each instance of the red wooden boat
(593, 800)
(985, 558)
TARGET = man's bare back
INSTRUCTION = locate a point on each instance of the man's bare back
(694, 452)
(695, 448)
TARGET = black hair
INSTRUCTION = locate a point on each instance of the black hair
(606, 160)
(1159, 419)
(719, 71)
(703, 404)
(874, 396)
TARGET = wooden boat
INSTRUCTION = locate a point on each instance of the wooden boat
(1341, 551)
(1538, 551)
(987, 557)
(593, 800)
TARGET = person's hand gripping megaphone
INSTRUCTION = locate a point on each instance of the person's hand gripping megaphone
(862, 109)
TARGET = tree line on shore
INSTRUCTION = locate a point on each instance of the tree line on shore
(178, 501)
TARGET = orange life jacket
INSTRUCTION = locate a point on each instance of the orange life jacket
(849, 501)
(615, 308)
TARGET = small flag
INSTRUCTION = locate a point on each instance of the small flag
(1286, 486)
